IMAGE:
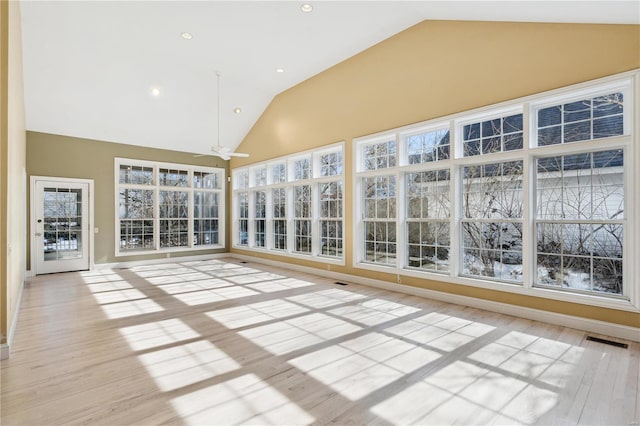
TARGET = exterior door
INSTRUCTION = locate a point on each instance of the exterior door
(61, 228)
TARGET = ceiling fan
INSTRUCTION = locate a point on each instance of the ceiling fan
(223, 152)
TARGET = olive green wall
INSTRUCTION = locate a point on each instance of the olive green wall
(434, 69)
(63, 156)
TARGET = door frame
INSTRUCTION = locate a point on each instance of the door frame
(32, 217)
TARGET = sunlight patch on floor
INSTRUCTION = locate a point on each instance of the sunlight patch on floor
(99, 276)
(255, 313)
(326, 298)
(189, 286)
(246, 400)
(109, 286)
(180, 366)
(214, 295)
(359, 366)
(130, 309)
(158, 333)
(115, 296)
(253, 278)
(297, 333)
(279, 285)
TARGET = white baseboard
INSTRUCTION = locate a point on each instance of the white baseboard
(133, 263)
(585, 324)
(5, 348)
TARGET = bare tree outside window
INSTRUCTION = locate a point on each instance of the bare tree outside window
(492, 220)
(579, 225)
(428, 233)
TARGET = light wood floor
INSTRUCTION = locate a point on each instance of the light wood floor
(219, 342)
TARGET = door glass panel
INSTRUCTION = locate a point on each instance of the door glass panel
(63, 237)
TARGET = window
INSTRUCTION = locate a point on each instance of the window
(379, 155)
(495, 135)
(297, 210)
(428, 146)
(580, 220)
(302, 218)
(331, 219)
(260, 221)
(492, 203)
(581, 120)
(260, 176)
(531, 196)
(279, 218)
(279, 173)
(427, 224)
(206, 208)
(380, 219)
(331, 164)
(302, 169)
(167, 207)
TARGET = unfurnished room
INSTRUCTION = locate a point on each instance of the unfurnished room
(324, 212)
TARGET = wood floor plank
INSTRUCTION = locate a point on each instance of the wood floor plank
(220, 342)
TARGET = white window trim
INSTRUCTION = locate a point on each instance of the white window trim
(290, 182)
(628, 83)
(157, 188)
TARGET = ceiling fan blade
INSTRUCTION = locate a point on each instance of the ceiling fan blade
(237, 154)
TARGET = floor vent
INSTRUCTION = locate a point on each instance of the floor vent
(339, 283)
(608, 342)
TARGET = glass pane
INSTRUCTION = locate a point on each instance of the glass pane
(62, 219)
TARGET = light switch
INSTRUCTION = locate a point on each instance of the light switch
(96, 230)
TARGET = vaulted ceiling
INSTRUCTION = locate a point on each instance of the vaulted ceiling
(121, 71)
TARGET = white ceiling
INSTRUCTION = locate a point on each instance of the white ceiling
(89, 66)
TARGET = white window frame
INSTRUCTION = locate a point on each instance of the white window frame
(314, 180)
(628, 83)
(156, 188)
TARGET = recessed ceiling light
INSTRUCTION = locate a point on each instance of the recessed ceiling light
(155, 91)
(306, 8)
(186, 36)
(281, 70)
(237, 110)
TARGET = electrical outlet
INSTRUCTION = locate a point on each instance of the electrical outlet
(399, 279)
